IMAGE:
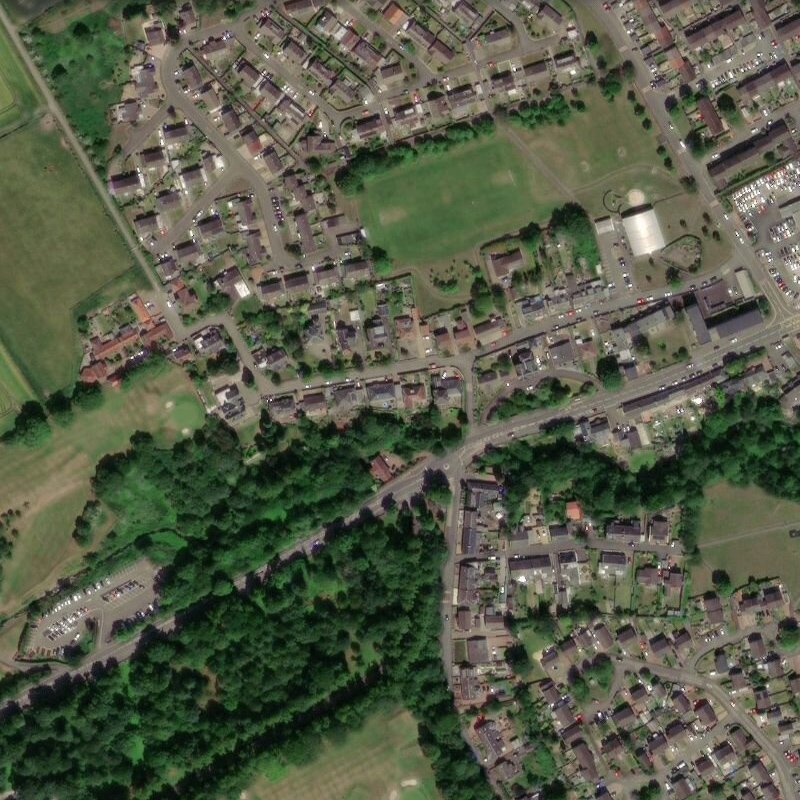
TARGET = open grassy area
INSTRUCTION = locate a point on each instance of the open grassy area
(438, 207)
(14, 389)
(50, 484)
(745, 532)
(620, 158)
(87, 64)
(58, 246)
(431, 213)
(372, 763)
(18, 98)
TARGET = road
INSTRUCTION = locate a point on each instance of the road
(654, 100)
(484, 433)
(736, 713)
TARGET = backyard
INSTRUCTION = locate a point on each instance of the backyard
(58, 246)
(50, 484)
(745, 531)
(379, 761)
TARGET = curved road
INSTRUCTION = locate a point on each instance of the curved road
(734, 712)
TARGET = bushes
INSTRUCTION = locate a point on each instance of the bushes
(550, 392)
(571, 223)
(30, 426)
(552, 110)
(367, 163)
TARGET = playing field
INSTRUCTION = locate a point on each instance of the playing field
(50, 483)
(602, 149)
(380, 761)
(439, 207)
(58, 246)
(745, 531)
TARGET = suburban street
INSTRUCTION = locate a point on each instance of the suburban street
(676, 383)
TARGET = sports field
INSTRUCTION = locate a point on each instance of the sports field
(58, 247)
(439, 207)
(604, 148)
(50, 483)
(745, 531)
(380, 761)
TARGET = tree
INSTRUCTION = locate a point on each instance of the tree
(30, 426)
(59, 406)
(81, 31)
(88, 396)
(722, 582)
(650, 791)
(726, 104)
(789, 633)
(436, 487)
(608, 373)
(381, 261)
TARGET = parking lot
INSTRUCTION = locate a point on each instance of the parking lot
(115, 598)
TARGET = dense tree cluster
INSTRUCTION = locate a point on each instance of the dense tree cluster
(204, 515)
(571, 223)
(250, 679)
(30, 428)
(746, 440)
(549, 392)
(552, 110)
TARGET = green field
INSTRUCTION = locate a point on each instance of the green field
(371, 763)
(432, 213)
(14, 389)
(58, 246)
(620, 156)
(50, 483)
(745, 531)
(18, 98)
(438, 207)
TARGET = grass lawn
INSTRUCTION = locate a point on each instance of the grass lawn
(745, 532)
(431, 214)
(371, 763)
(58, 247)
(18, 98)
(50, 484)
(439, 207)
(622, 156)
(14, 389)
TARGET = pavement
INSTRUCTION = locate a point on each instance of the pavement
(783, 320)
(736, 713)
